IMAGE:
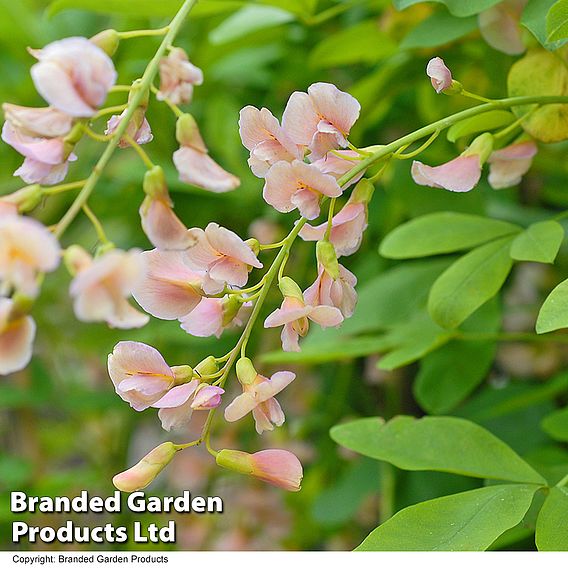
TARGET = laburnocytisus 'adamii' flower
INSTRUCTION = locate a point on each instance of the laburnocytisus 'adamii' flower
(508, 165)
(440, 75)
(177, 77)
(17, 333)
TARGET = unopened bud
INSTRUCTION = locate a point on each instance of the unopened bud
(206, 367)
(246, 373)
(182, 374)
(76, 259)
(290, 289)
(235, 460)
(107, 40)
(146, 470)
(231, 307)
(363, 192)
(25, 199)
(481, 146)
(154, 184)
(327, 257)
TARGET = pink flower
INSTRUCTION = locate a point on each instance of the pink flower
(193, 162)
(177, 77)
(45, 122)
(17, 333)
(73, 75)
(140, 132)
(26, 249)
(500, 26)
(139, 373)
(339, 293)
(460, 174)
(267, 141)
(33, 171)
(213, 315)
(276, 467)
(146, 470)
(347, 228)
(258, 398)
(223, 255)
(294, 315)
(508, 165)
(177, 406)
(440, 75)
(297, 185)
(168, 289)
(338, 163)
(320, 119)
(101, 289)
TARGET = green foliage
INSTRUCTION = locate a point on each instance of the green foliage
(553, 313)
(534, 18)
(539, 243)
(456, 7)
(470, 282)
(557, 21)
(556, 425)
(440, 28)
(468, 521)
(551, 531)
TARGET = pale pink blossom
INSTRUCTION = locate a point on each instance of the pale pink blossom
(177, 406)
(193, 162)
(294, 315)
(139, 131)
(168, 289)
(45, 150)
(508, 165)
(339, 293)
(347, 228)
(177, 77)
(44, 122)
(162, 226)
(140, 374)
(146, 470)
(223, 255)
(17, 333)
(500, 26)
(33, 171)
(276, 467)
(100, 291)
(26, 249)
(267, 141)
(213, 315)
(338, 163)
(320, 119)
(73, 75)
(460, 174)
(297, 185)
(440, 75)
(258, 398)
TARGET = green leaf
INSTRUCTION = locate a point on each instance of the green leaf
(541, 73)
(469, 282)
(436, 443)
(364, 42)
(468, 521)
(539, 243)
(440, 233)
(556, 425)
(489, 120)
(557, 21)
(440, 28)
(551, 533)
(144, 8)
(534, 19)
(458, 8)
(554, 312)
(248, 20)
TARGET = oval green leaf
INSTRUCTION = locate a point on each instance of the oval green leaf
(557, 21)
(556, 425)
(539, 243)
(481, 123)
(554, 312)
(551, 531)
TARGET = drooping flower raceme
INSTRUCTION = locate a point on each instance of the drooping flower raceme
(73, 75)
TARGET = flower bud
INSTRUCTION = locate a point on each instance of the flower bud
(207, 397)
(231, 307)
(187, 132)
(25, 199)
(182, 374)
(146, 470)
(107, 40)
(246, 373)
(277, 467)
(362, 192)
(327, 257)
(290, 289)
(76, 259)
(482, 146)
(154, 184)
(206, 367)
(254, 245)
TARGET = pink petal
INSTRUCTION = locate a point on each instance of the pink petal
(300, 119)
(16, 339)
(460, 174)
(261, 418)
(206, 319)
(175, 418)
(271, 387)
(162, 226)
(46, 150)
(200, 253)
(230, 244)
(326, 316)
(439, 74)
(279, 468)
(500, 26)
(177, 396)
(134, 358)
(279, 187)
(44, 122)
(290, 338)
(207, 397)
(241, 406)
(229, 270)
(285, 315)
(32, 171)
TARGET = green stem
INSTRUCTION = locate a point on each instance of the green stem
(137, 99)
(144, 33)
(55, 189)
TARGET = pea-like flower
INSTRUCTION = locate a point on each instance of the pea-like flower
(276, 467)
(101, 289)
(73, 75)
(297, 185)
(17, 333)
(177, 77)
(320, 119)
(258, 398)
(223, 255)
(177, 406)
(140, 131)
(168, 289)
(440, 75)
(500, 26)
(340, 293)
(26, 249)
(267, 141)
(508, 165)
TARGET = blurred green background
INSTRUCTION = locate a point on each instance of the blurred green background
(62, 427)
